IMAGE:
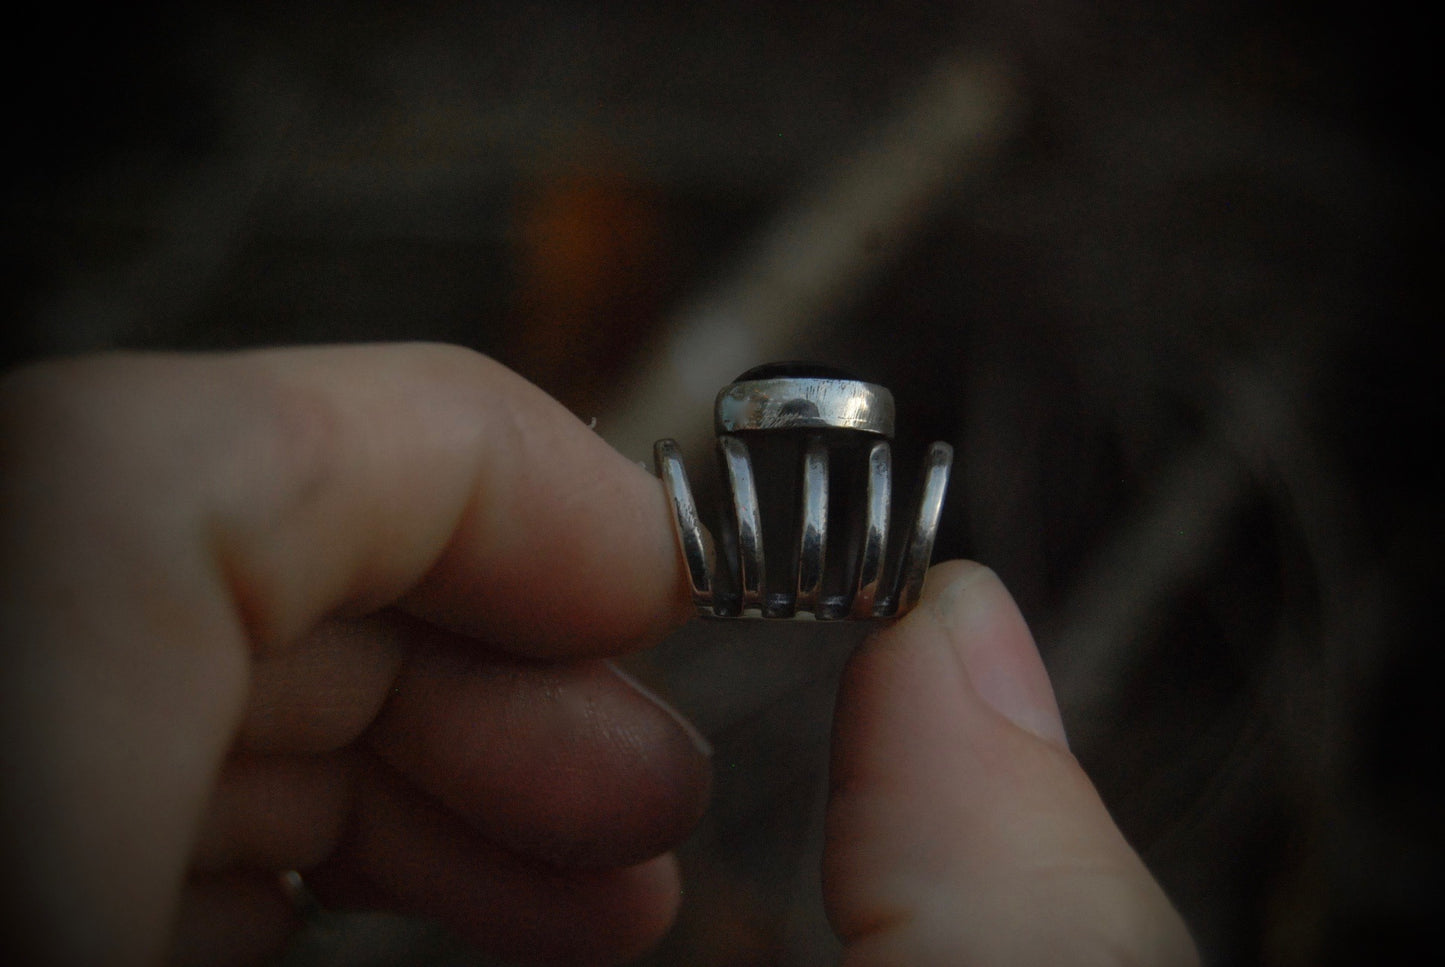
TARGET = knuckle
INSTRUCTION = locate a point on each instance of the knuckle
(294, 447)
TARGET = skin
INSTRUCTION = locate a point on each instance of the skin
(349, 610)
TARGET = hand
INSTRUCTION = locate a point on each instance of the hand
(340, 610)
(346, 610)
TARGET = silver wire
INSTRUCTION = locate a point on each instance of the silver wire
(813, 527)
(747, 516)
(691, 536)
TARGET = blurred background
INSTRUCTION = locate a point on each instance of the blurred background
(1162, 273)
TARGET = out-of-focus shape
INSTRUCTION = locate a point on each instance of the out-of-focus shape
(818, 255)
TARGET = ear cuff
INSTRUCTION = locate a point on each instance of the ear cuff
(835, 508)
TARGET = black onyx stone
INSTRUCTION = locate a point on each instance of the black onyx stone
(795, 369)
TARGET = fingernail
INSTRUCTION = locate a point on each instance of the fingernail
(997, 651)
(698, 740)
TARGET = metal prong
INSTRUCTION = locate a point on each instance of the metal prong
(691, 536)
(748, 517)
(919, 547)
(813, 526)
(875, 529)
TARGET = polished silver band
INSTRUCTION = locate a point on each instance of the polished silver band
(804, 404)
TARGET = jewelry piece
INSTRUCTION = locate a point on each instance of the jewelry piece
(770, 420)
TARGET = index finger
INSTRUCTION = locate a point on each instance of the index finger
(435, 471)
(344, 479)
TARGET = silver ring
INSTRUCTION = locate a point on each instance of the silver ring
(835, 506)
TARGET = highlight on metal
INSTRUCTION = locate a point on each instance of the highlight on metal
(815, 443)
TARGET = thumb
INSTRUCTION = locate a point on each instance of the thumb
(960, 829)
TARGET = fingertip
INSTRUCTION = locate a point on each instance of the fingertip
(990, 638)
(951, 573)
(431, 863)
(963, 660)
(698, 740)
(573, 764)
(671, 599)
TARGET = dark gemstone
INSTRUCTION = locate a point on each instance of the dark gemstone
(794, 369)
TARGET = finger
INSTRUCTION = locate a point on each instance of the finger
(276, 812)
(960, 830)
(321, 694)
(574, 764)
(163, 518)
(232, 920)
(434, 472)
(405, 847)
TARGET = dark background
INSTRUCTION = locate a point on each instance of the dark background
(1171, 306)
